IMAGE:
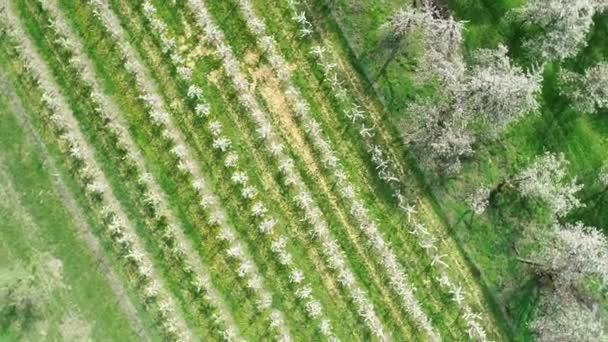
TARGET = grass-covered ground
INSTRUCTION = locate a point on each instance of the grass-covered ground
(582, 137)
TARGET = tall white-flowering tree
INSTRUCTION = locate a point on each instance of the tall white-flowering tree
(588, 92)
(439, 134)
(496, 92)
(570, 255)
(404, 21)
(435, 127)
(565, 25)
(477, 105)
(440, 37)
(546, 179)
(561, 317)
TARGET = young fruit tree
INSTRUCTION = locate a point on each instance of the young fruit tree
(564, 25)
(588, 93)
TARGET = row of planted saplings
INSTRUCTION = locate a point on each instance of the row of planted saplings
(397, 276)
(265, 220)
(301, 195)
(385, 168)
(95, 184)
(187, 165)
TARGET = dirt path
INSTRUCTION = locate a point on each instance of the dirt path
(83, 228)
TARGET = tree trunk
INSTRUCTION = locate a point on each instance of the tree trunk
(497, 190)
(391, 57)
(528, 261)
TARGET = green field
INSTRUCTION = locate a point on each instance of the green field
(148, 205)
